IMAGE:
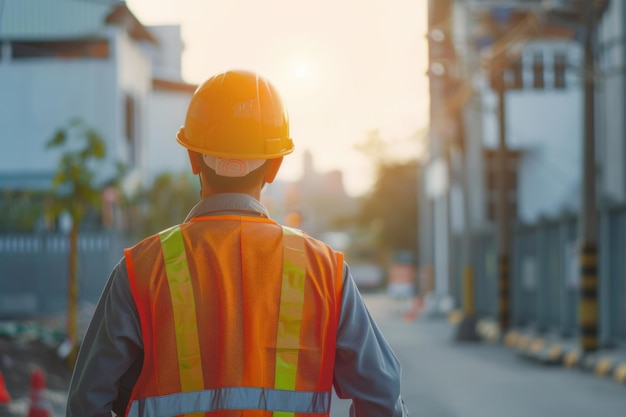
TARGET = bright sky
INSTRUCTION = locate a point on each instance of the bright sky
(343, 67)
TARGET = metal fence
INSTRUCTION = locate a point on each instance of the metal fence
(545, 275)
(613, 275)
(34, 270)
(483, 261)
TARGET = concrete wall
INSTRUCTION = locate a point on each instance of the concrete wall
(167, 111)
(166, 60)
(549, 131)
(41, 95)
(134, 79)
(474, 168)
(611, 92)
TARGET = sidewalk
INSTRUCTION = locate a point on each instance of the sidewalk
(551, 349)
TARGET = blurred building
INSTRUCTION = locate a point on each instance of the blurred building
(477, 49)
(316, 202)
(90, 60)
(167, 103)
(95, 61)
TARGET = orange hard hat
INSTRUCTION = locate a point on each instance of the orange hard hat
(237, 114)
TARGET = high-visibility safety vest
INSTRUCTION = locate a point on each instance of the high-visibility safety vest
(239, 317)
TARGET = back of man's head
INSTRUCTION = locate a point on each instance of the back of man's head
(235, 124)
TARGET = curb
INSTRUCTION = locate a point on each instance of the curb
(540, 350)
(603, 365)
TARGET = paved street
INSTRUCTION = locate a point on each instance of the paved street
(443, 378)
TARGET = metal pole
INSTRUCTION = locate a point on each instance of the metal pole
(466, 330)
(440, 54)
(502, 205)
(588, 256)
(466, 249)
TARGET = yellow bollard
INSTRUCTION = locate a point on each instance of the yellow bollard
(468, 328)
(468, 291)
(571, 359)
(603, 367)
(503, 292)
(588, 303)
(620, 373)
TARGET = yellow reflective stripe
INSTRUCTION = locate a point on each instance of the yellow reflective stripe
(290, 312)
(183, 309)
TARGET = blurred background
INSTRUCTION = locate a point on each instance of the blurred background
(466, 155)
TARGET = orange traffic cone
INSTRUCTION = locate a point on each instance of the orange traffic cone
(39, 405)
(5, 398)
(414, 312)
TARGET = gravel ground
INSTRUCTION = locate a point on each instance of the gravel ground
(25, 347)
(20, 355)
(29, 344)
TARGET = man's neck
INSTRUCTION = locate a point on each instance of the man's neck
(207, 191)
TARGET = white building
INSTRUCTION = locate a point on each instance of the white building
(167, 105)
(543, 113)
(611, 103)
(94, 61)
(536, 279)
(543, 126)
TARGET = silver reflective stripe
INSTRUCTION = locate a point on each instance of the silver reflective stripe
(233, 398)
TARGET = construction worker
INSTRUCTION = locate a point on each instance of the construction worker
(229, 312)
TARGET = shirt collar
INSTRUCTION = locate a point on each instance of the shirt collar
(228, 203)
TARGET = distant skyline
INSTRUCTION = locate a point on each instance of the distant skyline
(344, 68)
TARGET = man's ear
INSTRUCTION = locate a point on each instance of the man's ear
(194, 159)
(273, 169)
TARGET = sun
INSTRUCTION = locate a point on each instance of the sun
(301, 75)
(302, 71)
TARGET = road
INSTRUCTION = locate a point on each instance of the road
(443, 378)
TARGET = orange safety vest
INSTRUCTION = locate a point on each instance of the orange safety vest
(239, 318)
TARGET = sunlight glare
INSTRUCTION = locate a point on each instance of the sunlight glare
(302, 71)
(303, 74)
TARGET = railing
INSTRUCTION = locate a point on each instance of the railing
(613, 274)
(34, 270)
(545, 275)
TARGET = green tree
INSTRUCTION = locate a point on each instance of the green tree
(76, 190)
(21, 210)
(391, 208)
(167, 202)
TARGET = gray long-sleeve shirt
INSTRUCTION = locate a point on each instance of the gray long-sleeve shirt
(366, 369)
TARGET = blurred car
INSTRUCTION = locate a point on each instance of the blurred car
(362, 256)
(367, 275)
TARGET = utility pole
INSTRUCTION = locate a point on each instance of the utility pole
(507, 45)
(466, 331)
(441, 55)
(588, 257)
(502, 198)
(583, 16)
(504, 187)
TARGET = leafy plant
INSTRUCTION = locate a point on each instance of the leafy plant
(391, 205)
(76, 189)
(167, 202)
